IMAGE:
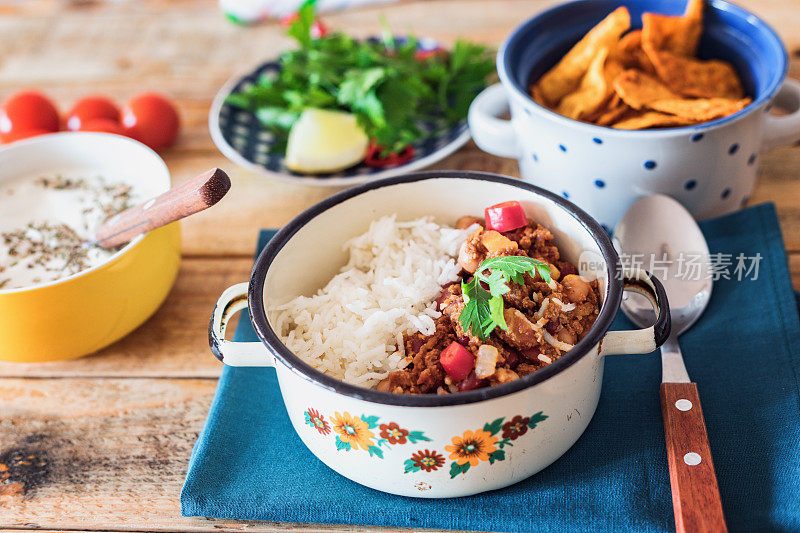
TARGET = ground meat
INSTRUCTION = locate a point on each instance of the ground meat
(533, 312)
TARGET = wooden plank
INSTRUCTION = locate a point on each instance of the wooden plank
(173, 343)
(794, 268)
(779, 182)
(116, 459)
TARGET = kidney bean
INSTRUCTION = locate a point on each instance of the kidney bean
(531, 354)
(443, 295)
(512, 358)
(471, 382)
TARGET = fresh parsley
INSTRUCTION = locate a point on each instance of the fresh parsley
(483, 308)
(389, 88)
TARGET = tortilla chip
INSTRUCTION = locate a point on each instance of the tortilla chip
(616, 110)
(630, 54)
(694, 77)
(536, 94)
(700, 110)
(592, 92)
(678, 35)
(639, 120)
(566, 76)
(637, 89)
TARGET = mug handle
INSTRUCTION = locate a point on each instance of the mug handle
(492, 134)
(779, 131)
(641, 340)
(231, 301)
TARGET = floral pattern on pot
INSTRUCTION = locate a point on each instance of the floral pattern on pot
(473, 447)
(359, 432)
(317, 421)
(427, 460)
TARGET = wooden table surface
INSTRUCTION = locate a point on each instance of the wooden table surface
(108, 437)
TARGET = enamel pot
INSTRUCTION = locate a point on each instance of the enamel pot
(710, 168)
(431, 445)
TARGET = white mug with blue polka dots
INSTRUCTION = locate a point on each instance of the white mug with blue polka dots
(710, 168)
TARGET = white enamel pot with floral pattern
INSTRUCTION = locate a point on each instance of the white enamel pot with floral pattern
(431, 445)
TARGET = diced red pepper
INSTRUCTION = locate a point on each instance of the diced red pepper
(374, 159)
(505, 217)
(457, 361)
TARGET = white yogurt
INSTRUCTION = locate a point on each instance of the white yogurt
(45, 221)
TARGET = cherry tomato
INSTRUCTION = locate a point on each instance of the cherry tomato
(90, 108)
(506, 216)
(25, 112)
(104, 125)
(152, 119)
(374, 159)
(457, 361)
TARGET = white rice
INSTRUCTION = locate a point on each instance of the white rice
(353, 328)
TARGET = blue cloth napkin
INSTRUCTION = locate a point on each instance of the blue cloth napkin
(744, 354)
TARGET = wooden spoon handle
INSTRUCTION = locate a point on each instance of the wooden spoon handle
(695, 493)
(200, 192)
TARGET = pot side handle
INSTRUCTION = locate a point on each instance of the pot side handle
(782, 130)
(641, 340)
(233, 300)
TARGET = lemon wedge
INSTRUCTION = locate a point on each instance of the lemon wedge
(325, 141)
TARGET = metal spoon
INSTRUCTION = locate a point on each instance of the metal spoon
(658, 234)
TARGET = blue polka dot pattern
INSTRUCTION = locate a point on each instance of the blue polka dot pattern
(599, 184)
(597, 140)
(689, 185)
(734, 148)
(751, 159)
(696, 137)
(562, 147)
(649, 165)
(536, 158)
(565, 194)
(725, 193)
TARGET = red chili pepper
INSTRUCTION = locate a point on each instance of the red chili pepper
(457, 361)
(374, 159)
(506, 216)
(421, 55)
(318, 29)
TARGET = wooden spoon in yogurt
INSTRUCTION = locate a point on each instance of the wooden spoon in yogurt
(188, 198)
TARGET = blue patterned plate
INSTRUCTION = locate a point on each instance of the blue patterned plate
(241, 138)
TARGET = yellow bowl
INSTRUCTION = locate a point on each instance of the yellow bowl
(83, 313)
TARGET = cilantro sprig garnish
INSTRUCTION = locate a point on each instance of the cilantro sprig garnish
(385, 83)
(483, 308)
